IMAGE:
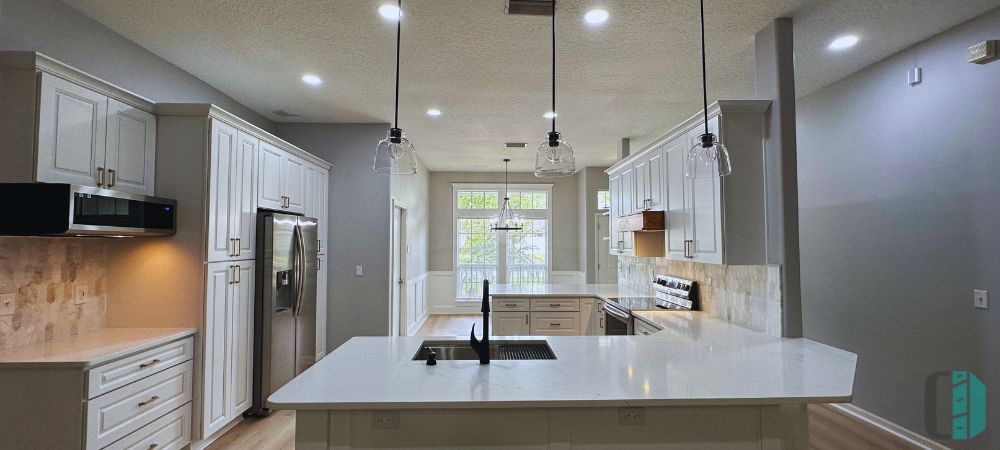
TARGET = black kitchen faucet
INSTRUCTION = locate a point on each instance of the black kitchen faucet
(482, 347)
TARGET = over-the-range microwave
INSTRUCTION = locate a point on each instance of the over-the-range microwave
(56, 209)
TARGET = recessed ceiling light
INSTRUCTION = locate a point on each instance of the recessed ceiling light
(390, 12)
(550, 115)
(843, 42)
(312, 80)
(433, 112)
(596, 16)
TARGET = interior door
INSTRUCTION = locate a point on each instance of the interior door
(221, 245)
(397, 282)
(243, 199)
(72, 127)
(269, 168)
(131, 142)
(606, 263)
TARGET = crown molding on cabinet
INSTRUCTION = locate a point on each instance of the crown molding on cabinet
(30, 60)
(210, 110)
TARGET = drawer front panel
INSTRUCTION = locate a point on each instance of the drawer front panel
(555, 304)
(644, 329)
(510, 304)
(555, 323)
(118, 413)
(111, 376)
(170, 432)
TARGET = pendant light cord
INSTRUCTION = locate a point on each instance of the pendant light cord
(399, 20)
(553, 66)
(704, 76)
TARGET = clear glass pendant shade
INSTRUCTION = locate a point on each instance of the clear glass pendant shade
(394, 155)
(707, 159)
(555, 158)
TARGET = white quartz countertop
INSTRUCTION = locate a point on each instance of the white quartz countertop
(561, 290)
(695, 360)
(91, 348)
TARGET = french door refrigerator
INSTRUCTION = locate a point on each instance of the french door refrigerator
(285, 304)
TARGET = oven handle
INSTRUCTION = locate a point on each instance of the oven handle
(615, 312)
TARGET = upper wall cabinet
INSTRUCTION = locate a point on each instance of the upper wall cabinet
(282, 184)
(64, 126)
(317, 184)
(709, 220)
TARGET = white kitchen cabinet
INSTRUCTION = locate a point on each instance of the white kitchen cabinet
(591, 317)
(316, 200)
(676, 206)
(563, 323)
(648, 188)
(704, 205)
(643, 328)
(621, 184)
(293, 183)
(232, 203)
(281, 185)
(321, 306)
(511, 324)
(243, 196)
(130, 150)
(72, 127)
(614, 212)
(228, 344)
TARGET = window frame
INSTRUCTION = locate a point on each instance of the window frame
(502, 235)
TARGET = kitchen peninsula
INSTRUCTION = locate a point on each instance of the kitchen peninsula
(698, 380)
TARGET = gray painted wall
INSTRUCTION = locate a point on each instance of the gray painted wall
(899, 191)
(565, 230)
(53, 28)
(589, 181)
(414, 192)
(359, 226)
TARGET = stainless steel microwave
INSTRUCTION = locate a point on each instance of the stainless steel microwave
(55, 209)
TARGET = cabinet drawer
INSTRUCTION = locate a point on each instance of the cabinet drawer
(555, 304)
(555, 323)
(111, 376)
(170, 432)
(643, 328)
(118, 413)
(510, 304)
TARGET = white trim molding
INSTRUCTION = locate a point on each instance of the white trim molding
(887, 426)
(417, 303)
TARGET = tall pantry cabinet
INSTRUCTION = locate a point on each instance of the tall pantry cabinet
(214, 165)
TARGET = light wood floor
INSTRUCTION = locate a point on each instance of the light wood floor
(829, 429)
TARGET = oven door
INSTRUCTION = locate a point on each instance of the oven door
(617, 322)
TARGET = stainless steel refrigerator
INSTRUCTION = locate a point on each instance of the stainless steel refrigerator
(285, 314)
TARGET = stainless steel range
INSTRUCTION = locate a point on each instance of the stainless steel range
(670, 294)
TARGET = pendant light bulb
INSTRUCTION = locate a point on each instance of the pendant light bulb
(394, 155)
(554, 157)
(707, 158)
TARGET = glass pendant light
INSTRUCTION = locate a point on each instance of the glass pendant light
(555, 156)
(708, 157)
(394, 155)
(506, 220)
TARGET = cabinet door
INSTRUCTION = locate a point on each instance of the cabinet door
(131, 146)
(240, 338)
(321, 283)
(269, 171)
(216, 393)
(293, 181)
(590, 317)
(640, 197)
(510, 324)
(705, 205)
(243, 198)
(675, 205)
(614, 192)
(655, 179)
(322, 208)
(72, 127)
(221, 239)
(628, 191)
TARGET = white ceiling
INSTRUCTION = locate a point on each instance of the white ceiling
(488, 72)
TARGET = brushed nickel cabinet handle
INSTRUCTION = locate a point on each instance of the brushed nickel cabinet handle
(112, 177)
(553, 324)
(510, 305)
(239, 247)
(149, 364)
(100, 177)
(555, 305)
(236, 270)
(151, 400)
(232, 274)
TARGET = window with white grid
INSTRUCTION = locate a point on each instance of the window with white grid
(516, 256)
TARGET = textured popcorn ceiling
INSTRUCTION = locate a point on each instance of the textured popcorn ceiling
(488, 73)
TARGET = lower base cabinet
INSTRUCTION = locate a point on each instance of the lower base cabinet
(511, 324)
(546, 316)
(228, 344)
(564, 323)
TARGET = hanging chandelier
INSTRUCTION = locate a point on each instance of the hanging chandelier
(707, 158)
(506, 220)
(394, 155)
(555, 156)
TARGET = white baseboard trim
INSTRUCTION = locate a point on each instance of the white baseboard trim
(890, 427)
(415, 326)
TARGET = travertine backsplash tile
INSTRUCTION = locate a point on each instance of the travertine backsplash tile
(42, 273)
(746, 295)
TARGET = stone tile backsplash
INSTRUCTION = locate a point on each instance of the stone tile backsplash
(746, 295)
(42, 275)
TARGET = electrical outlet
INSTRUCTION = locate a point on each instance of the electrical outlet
(81, 294)
(385, 420)
(981, 299)
(359, 270)
(7, 303)
(631, 416)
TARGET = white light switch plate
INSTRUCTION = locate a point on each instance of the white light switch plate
(81, 294)
(981, 299)
(7, 303)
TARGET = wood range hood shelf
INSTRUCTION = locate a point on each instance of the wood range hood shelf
(648, 231)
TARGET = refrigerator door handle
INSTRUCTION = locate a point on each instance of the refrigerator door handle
(300, 265)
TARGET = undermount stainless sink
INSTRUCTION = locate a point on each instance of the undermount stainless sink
(499, 350)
